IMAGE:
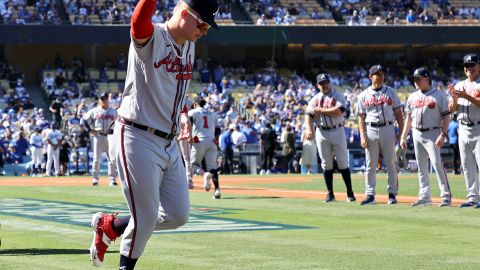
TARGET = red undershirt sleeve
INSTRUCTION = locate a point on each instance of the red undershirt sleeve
(141, 24)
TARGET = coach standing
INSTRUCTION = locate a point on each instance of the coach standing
(466, 101)
(428, 114)
(378, 106)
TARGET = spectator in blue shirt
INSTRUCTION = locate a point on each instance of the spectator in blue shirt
(21, 144)
(411, 17)
(226, 145)
(453, 141)
(250, 132)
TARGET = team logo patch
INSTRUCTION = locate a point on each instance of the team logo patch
(201, 219)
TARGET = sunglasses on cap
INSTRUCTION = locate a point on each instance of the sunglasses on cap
(324, 82)
(201, 25)
(469, 65)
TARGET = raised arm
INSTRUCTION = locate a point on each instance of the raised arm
(141, 24)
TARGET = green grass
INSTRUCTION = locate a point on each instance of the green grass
(340, 235)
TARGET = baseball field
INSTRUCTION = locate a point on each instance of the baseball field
(261, 222)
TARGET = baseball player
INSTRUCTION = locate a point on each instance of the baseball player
(326, 110)
(36, 147)
(97, 122)
(185, 143)
(54, 141)
(377, 107)
(428, 114)
(466, 101)
(148, 160)
(204, 147)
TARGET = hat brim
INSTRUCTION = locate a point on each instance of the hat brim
(323, 81)
(372, 73)
(470, 62)
(418, 76)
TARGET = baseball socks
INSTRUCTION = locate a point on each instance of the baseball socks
(215, 178)
(347, 178)
(119, 225)
(328, 175)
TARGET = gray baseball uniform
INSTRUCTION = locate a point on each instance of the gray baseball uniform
(426, 110)
(203, 127)
(148, 161)
(468, 137)
(330, 135)
(378, 108)
(36, 147)
(99, 120)
(54, 136)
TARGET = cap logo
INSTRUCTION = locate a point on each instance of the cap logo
(469, 58)
(216, 12)
(379, 67)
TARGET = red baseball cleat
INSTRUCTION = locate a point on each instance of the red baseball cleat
(103, 235)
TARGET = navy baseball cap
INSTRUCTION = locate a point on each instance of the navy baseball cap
(374, 69)
(421, 73)
(104, 95)
(207, 9)
(323, 77)
(471, 59)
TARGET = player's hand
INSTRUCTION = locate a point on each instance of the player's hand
(363, 141)
(440, 141)
(460, 94)
(186, 128)
(309, 135)
(403, 143)
(451, 89)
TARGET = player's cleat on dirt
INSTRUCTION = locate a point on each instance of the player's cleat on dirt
(422, 202)
(217, 194)
(468, 204)
(330, 198)
(113, 183)
(370, 199)
(351, 197)
(94, 182)
(103, 235)
(392, 199)
(206, 181)
(445, 203)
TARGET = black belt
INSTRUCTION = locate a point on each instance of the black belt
(469, 124)
(161, 134)
(380, 124)
(100, 133)
(330, 128)
(426, 129)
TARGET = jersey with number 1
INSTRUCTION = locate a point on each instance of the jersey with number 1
(203, 123)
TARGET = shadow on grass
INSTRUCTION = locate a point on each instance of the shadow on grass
(251, 197)
(44, 251)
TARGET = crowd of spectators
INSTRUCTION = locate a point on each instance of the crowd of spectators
(28, 12)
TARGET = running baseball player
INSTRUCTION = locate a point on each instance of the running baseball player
(185, 143)
(326, 110)
(204, 147)
(377, 107)
(428, 115)
(36, 148)
(54, 141)
(149, 163)
(97, 122)
(465, 101)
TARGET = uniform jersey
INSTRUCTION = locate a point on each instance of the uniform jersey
(468, 112)
(378, 106)
(427, 108)
(203, 123)
(156, 81)
(99, 119)
(54, 136)
(36, 140)
(331, 100)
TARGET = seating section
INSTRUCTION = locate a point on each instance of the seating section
(28, 12)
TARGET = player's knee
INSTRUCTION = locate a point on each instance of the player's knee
(172, 221)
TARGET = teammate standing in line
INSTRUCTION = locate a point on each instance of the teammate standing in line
(428, 114)
(466, 101)
(97, 121)
(36, 147)
(54, 140)
(152, 174)
(204, 147)
(378, 107)
(326, 110)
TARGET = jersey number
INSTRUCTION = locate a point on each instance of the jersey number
(205, 121)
